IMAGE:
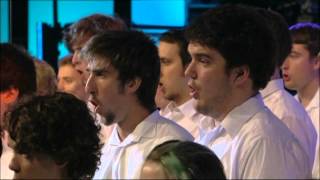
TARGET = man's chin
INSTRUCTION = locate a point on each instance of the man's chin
(201, 108)
(109, 119)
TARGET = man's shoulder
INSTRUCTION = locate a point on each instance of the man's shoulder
(166, 127)
(265, 124)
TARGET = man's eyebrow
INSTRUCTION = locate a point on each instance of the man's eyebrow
(201, 55)
(97, 70)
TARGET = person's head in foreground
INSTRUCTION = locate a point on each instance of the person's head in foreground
(182, 160)
(53, 137)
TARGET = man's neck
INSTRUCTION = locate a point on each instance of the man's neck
(306, 93)
(182, 98)
(131, 120)
(236, 100)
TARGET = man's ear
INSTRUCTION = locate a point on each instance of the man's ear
(240, 75)
(133, 85)
(10, 95)
(316, 62)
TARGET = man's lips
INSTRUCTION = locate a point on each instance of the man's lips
(95, 105)
(285, 77)
(93, 102)
(193, 92)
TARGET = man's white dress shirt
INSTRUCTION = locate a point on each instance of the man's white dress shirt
(186, 116)
(253, 143)
(292, 114)
(313, 109)
(124, 160)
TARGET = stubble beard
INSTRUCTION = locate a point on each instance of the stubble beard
(109, 118)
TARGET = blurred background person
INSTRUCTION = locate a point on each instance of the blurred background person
(69, 79)
(81, 31)
(46, 78)
(276, 98)
(17, 79)
(182, 160)
(301, 71)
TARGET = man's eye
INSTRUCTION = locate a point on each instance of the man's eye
(293, 55)
(165, 61)
(99, 73)
(68, 80)
(204, 60)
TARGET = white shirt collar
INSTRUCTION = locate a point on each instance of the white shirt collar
(145, 129)
(187, 108)
(233, 122)
(314, 103)
(272, 86)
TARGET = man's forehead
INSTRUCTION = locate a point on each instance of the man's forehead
(98, 63)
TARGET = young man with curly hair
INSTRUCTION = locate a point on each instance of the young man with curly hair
(53, 137)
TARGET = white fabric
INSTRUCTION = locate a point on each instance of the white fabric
(186, 116)
(253, 143)
(313, 110)
(7, 155)
(124, 160)
(292, 114)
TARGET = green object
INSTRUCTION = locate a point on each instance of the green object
(174, 166)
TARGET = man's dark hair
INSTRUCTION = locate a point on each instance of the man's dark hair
(17, 69)
(280, 29)
(177, 36)
(241, 36)
(58, 126)
(187, 160)
(134, 55)
(89, 26)
(307, 33)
